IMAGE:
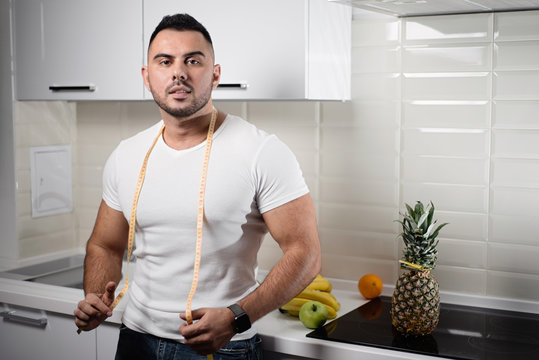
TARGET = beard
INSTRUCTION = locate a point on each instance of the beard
(192, 108)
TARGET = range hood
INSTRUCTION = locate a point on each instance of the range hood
(404, 8)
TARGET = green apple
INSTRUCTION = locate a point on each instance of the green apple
(313, 314)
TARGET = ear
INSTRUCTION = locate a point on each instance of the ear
(216, 75)
(144, 72)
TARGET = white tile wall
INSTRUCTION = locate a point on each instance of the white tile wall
(516, 114)
(448, 29)
(41, 124)
(468, 138)
(444, 108)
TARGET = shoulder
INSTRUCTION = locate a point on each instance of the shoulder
(243, 132)
(238, 125)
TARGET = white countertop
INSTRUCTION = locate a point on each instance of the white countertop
(280, 332)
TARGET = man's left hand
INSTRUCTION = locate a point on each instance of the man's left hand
(212, 330)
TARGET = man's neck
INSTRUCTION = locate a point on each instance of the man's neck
(184, 133)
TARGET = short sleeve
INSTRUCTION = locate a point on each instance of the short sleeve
(110, 182)
(277, 174)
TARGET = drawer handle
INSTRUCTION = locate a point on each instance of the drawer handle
(72, 88)
(232, 86)
(12, 316)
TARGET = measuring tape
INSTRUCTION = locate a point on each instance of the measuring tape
(200, 220)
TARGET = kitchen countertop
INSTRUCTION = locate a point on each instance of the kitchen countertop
(280, 332)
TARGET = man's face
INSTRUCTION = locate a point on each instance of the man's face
(180, 72)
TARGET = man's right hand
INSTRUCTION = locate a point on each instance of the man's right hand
(95, 308)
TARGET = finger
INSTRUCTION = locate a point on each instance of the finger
(79, 314)
(108, 296)
(198, 313)
(190, 331)
(93, 304)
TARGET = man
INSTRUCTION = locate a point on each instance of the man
(253, 184)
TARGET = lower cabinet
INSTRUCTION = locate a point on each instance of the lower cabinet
(107, 339)
(27, 333)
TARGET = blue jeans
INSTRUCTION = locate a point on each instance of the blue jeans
(133, 345)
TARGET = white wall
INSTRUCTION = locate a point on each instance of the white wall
(457, 99)
(444, 108)
(8, 209)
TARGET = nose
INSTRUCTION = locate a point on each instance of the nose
(179, 75)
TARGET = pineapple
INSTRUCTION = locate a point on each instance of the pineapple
(415, 305)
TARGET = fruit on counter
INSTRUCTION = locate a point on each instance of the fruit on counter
(318, 290)
(320, 283)
(324, 297)
(370, 286)
(313, 314)
(293, 307)
(415, 304)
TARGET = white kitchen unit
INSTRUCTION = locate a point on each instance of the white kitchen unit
(77, 50)
(280, 49)
(28, 333)
(107, 340)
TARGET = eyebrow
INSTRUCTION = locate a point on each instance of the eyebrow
(189, 54)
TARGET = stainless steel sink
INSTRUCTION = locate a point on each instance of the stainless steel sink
(66, 272)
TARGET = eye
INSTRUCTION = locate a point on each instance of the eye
(164, 62)
(192, 61)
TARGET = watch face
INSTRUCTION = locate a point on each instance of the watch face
(241, 319)
(242, 323)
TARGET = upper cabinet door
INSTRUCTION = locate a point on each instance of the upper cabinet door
(78, 50)
(279, 49)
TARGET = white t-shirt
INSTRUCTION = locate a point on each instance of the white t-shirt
(249, 173)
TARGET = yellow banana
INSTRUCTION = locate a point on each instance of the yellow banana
(294, 305)
(320, 283)
(324, 297)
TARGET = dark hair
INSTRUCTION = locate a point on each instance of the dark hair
(181, 22)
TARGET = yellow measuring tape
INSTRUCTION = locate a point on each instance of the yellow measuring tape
(200, 220)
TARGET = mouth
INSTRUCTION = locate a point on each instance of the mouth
(179, 92)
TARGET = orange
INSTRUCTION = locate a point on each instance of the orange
(370, 286)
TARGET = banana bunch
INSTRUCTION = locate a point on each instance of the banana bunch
(320, 290)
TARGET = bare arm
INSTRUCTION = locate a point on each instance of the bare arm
(102, 267)
(293, 226)
(105, 249)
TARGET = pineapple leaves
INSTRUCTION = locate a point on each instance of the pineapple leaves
(431, 212)
(422, 220)
(438, 230)
(419, 233)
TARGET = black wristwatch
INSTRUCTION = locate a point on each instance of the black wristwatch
(241, 319)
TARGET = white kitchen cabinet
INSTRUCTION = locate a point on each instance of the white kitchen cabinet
(78, 50)
(279, 49)
(107, 340)
(27, 333)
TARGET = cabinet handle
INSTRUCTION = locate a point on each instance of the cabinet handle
(72, 88)
(12, 316)
(232, 86)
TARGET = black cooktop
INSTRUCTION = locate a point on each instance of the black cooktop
(463, 332)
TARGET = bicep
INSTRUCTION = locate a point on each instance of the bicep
(294, 224)
(110, 230)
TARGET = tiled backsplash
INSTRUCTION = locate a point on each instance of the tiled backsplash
(444, 108)
(41, 124)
